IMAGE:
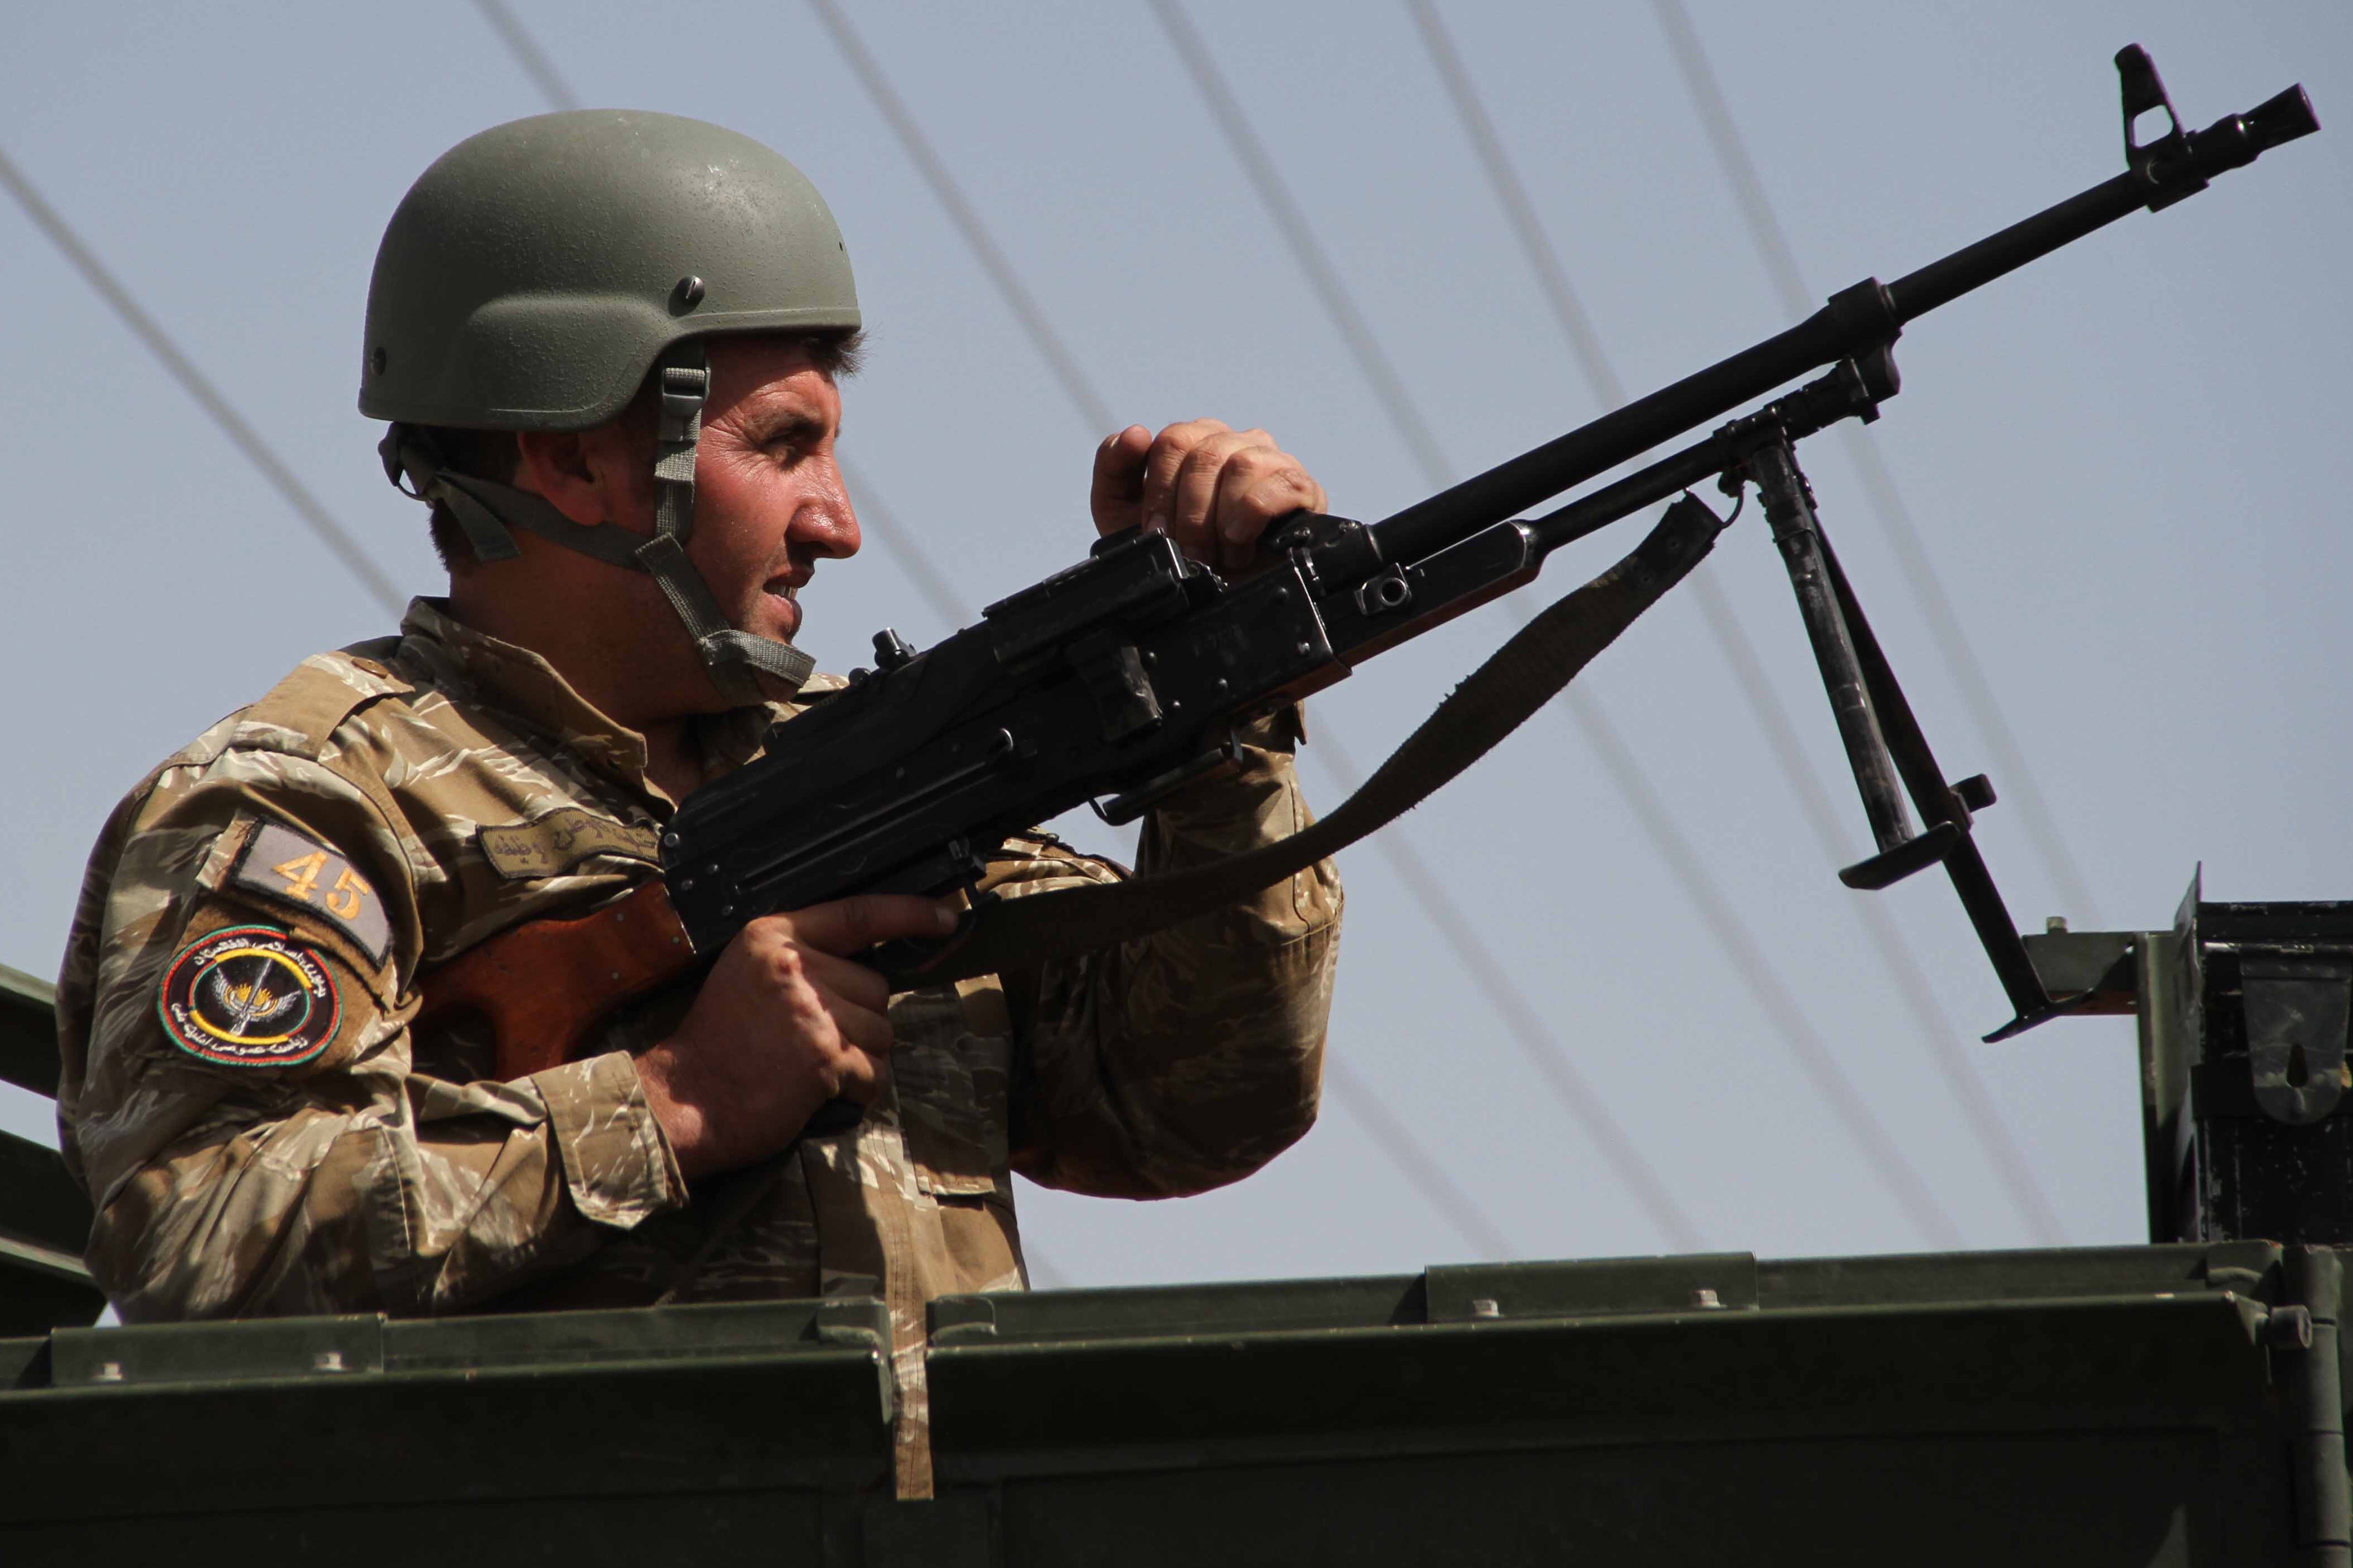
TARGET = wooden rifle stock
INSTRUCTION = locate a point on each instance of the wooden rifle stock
(546, 985)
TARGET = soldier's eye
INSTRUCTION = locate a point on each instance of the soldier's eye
(792, 442)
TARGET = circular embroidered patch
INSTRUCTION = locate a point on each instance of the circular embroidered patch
(248, 996)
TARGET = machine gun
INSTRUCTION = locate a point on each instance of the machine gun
(1124, 677)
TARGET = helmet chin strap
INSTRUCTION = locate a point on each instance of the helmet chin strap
(487, 511)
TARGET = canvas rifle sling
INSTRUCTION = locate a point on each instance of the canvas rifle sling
(1494, 700)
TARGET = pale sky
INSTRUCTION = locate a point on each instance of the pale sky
(2126, 466)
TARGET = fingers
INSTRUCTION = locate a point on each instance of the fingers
(837, 1009)
(863, 1078)
(862, 1028)
(852, 1039)
(1193, 522)
(785, 1020)
(1117, 494)
(1162, 466)
(1255, 487)
(827, 992)
(851, 925)
(845, 978)
(862, 1072)
(1215, 489)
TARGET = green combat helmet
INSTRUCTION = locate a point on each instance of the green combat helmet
(538, 272)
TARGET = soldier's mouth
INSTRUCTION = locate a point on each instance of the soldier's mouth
(785, 596)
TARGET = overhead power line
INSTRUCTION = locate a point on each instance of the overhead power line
(2018, 783)
(528, 54)
(1814, 1058)
(1091, 406)
(1944, 1046)
(1520, 1017)
(241, 435)
(1372, 360)
(1415, 1163)
(1746, 956)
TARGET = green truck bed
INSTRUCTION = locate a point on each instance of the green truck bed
(2118, 1406)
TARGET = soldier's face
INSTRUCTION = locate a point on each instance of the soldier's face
(769, 502)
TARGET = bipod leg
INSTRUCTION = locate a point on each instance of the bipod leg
(1788, 504)
(1945, 808)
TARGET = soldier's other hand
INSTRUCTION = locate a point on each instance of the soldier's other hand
(785, 1022)
(1210, 488)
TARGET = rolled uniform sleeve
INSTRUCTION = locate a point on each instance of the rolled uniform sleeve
(340, 1180)
(618, 1166)
(1189, 1058)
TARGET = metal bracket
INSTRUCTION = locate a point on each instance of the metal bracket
(2297, 1006)
(961, 1320)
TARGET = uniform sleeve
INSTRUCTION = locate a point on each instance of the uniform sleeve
(238, 1091)
(1189, 1058)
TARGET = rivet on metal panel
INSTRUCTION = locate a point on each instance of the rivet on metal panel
(1486, 1306)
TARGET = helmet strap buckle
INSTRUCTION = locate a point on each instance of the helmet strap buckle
(729, 656)
(413, 464)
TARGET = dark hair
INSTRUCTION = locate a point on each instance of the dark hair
(494, 454)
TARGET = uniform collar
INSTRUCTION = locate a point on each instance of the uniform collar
(523, 686)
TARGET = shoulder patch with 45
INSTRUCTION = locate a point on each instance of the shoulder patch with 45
(290, 867)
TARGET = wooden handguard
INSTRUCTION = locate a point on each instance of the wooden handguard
(544, 986)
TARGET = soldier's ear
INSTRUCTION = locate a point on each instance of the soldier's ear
(562, 468)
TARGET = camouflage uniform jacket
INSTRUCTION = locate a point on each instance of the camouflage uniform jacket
(263, 1132)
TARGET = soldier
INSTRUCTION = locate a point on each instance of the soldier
(608, 346)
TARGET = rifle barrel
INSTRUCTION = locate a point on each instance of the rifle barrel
(1855, 321)
(1431, 525)
(1974, 266)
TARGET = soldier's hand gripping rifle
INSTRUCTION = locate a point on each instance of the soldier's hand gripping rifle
(1122, 679)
